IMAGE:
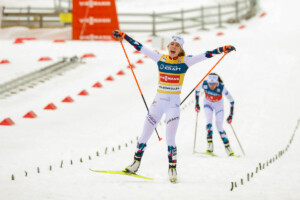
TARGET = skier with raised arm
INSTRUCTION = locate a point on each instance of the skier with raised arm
(172, 69)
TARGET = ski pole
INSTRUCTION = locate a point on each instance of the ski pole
(237, 139)
(159, 138)
(203, 78)
(195, 132)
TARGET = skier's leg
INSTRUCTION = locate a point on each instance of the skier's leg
(209, 115)
(154, 115)
(219, 115)
(172, 125)
(172, 156)
(226, 143)
(219, 124)
(172, 120)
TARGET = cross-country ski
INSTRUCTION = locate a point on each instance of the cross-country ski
(122, 173)
(210, 154)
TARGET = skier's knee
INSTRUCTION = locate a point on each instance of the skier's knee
(173, 119)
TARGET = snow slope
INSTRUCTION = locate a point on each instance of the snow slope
(262, 75)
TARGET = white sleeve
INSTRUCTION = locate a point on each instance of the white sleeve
(151, 54)
(191, 60)
(227, 94)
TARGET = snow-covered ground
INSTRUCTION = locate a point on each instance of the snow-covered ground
(262, 75)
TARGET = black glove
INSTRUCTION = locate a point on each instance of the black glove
(197, 108)
(229, 119)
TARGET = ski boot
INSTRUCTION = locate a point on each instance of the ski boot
(172, 155)
(172, 172)
(229, 151)
(133, 168)
(226, 143)
(210, 147)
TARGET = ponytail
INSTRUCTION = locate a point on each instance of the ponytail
(220, 80)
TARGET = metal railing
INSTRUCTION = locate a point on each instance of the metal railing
(37, 17)
(201, 18)
(58, 67)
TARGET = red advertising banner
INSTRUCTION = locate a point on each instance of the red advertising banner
(94, 19)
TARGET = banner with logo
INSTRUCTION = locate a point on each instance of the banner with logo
(94, 19)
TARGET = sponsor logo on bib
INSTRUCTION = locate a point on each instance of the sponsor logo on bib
(166, 78)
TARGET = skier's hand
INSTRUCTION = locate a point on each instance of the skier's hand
(197, 108)
(118, 34)
(228, 49)
(229, 119)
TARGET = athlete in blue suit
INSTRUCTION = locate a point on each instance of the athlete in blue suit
(214, 90)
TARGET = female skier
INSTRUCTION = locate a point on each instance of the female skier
(172, 69)
(214, 90)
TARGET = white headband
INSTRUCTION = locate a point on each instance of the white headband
(213, 79)
(177, 39)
